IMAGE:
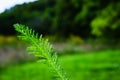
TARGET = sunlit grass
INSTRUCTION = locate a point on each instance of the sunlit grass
(104, 65)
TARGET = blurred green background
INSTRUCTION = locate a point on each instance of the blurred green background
(84, 33)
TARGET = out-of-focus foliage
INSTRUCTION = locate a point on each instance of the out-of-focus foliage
(107, 17)
(75, 40)
(7, 40)
(65, 17)
(11, 41)
(55, 38)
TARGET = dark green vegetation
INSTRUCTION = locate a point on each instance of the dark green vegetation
(103, 65)
(65, 17)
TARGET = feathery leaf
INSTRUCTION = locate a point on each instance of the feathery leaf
(41, 48)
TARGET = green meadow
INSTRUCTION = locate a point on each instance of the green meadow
(96, 65)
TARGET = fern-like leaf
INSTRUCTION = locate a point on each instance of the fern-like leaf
(41, 48)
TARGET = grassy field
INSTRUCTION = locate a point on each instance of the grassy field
(102, 65)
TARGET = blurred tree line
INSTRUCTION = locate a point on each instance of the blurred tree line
(85, 18)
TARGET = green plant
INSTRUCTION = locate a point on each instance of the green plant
(41, 48)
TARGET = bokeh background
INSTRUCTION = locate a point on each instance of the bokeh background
(84, 33)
